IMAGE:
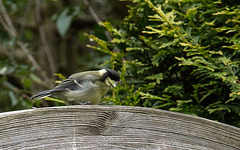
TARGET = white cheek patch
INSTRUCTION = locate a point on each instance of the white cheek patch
(102, 71)
(107, 81)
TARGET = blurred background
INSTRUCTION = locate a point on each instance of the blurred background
(42, 37)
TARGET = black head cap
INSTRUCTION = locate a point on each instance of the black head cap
(112, 74)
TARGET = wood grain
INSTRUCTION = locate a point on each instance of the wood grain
(112, 127)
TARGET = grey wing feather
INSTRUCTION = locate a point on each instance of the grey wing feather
(42, 94)
(74, 83)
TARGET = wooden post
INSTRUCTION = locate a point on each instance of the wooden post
(112, 127)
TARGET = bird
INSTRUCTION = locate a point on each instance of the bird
(83, 88)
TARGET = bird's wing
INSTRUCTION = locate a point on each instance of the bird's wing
(74, 83)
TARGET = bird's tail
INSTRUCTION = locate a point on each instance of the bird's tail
(42, 94)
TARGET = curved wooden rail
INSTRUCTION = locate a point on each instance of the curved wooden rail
(112, 127)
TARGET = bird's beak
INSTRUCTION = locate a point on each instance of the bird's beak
(120, 82)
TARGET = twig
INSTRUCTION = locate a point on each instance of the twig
(5, 26)
(7, 21)
(163, 16)
(16, 90)
(43, 37)
(8, 25)
(96, 18)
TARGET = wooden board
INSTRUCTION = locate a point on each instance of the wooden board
(112, 127)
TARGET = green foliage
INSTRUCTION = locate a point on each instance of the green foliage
(178, 55)
(124, 94)
(15, 81)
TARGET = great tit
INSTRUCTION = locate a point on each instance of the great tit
(84, 87)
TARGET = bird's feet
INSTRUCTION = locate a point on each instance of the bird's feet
(87, 103)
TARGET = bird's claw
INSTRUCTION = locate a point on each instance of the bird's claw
(87, 103)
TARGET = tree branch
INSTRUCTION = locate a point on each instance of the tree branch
(96, 18)
(43, 37)
(7, 21)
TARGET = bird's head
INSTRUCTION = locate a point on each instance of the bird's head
(110, 77)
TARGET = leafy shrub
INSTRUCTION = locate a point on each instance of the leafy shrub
(15, 81)
(178, 55)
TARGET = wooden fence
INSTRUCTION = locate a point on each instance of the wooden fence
(112, 127)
